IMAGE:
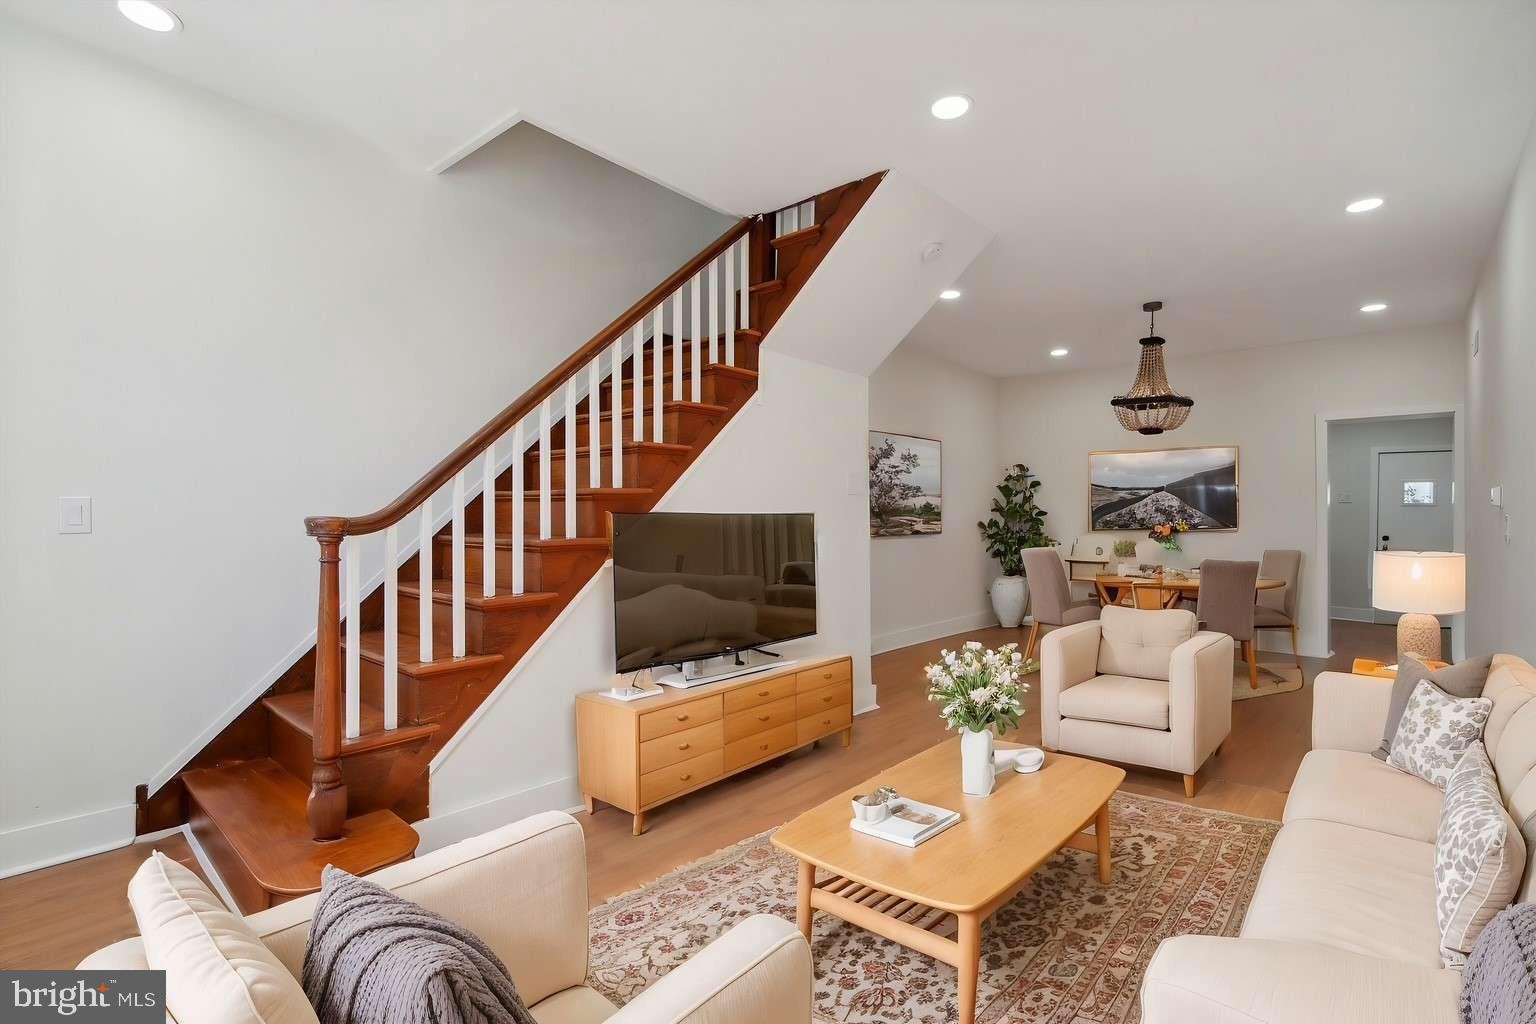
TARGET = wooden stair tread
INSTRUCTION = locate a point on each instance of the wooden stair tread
(298, 710)
(586, 493)
(477, 540)
(658, 447)
(474, 597)
(667, 405)
(768, 287)
(260, 810)
(371, 646)
(805, 236)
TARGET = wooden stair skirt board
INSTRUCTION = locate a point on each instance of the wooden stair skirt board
(247, 793)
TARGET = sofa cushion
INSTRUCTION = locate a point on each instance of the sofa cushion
(1435, 731)
(1138, 642)
(1479, 856)
(1123, 700)
(1463, 679)
(1510, 739)
(216, 969)
(1348, 888)
(1352, 788)
(576, 1005)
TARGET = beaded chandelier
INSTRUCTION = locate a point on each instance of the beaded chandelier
(1151, 406)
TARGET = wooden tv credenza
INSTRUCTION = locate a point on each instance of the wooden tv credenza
(637, 755)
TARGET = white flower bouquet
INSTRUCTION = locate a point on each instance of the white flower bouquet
(977, 688)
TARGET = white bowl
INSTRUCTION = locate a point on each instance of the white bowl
(870, 812)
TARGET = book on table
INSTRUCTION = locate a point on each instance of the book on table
(910, 823)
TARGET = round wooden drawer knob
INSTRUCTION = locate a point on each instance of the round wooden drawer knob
(763, 693)
(682, 718)
(827, 699)
(686, 777)
(684, 746)
(763, 747)
(763, 718)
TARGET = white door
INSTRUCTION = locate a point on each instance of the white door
(1413, 504)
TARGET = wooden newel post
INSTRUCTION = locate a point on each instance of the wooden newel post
(327, 792)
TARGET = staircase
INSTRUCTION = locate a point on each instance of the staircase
(331, 765)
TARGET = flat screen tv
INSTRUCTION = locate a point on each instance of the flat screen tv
(690, 585)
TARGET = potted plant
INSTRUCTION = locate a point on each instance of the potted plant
(979, 692)
(1017, 523)
(1125, 551)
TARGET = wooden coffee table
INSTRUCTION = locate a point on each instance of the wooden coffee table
(965, 872)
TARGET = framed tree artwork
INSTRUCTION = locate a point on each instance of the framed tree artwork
(905, 485)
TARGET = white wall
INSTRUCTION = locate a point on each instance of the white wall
(1350, 466)
(1264, 400)
(1501, 380)
(215, 323)
(930, 586)
(795, 448)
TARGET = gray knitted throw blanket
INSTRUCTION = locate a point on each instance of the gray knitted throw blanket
(374, 957)
(1498, 985)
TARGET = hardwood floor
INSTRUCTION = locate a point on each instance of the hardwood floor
(54, 917)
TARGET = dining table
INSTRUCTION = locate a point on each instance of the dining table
(1114, 588)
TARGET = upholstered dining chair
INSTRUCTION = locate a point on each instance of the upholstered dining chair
(1227, 596)
(1050, 598)
(1276, 609)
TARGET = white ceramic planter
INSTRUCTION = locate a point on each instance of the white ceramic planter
(1008, 596)
(976, 774)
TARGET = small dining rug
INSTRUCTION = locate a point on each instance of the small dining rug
(1273, 678)
(1065, 950)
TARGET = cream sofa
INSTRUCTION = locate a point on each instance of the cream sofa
(523, 889)
(1342, 927)
(1138, 687)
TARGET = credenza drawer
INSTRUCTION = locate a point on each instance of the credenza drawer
(823, 699)
(664, 721)
(759, 719)
(680, 746)
(659, 785)
(759, 746)
(764, 692)
(816, 678)
(814, 727)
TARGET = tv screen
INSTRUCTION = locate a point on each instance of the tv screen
(693, 585)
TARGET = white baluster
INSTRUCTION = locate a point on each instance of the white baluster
(595, 422)
(545, 473)
(488, 522)
(354, 687)
(658, 379)
(519, 452)
(392, 626)
(458, 564)
(696, 286)
(714, 311)
(424, 570)
(745, 281)
(677, 345)
(570, 457)
(637, 360)
(616, 381)
(729, 259)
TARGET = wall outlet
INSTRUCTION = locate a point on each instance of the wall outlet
(74, 515)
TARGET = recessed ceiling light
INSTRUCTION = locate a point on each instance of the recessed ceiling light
(1373, 307)
(147, 15)
(1058, 352)
(947, 108)
(949, 294)
(1364, 205)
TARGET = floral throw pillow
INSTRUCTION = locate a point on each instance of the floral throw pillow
(1479, 856)
(1436, 729)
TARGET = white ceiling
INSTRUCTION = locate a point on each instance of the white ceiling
(1197, 152)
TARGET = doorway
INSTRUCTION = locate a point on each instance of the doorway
(1415, 493)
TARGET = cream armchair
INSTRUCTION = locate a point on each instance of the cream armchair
(523, 889)
(1138, 687)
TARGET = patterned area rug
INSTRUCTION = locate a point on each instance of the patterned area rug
(1066, 950)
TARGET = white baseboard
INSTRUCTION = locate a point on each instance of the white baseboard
(1352, 614)
(53, 842)
(442, 829)
(930, 631)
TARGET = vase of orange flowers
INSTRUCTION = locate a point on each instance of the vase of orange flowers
(1167, 534)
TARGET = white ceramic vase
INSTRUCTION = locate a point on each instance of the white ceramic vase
(1008, 595)
(976, 775)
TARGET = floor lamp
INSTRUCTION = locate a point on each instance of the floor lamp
(1420, 584)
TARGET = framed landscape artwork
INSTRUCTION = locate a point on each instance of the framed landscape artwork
(1137, 490)
(905, 485)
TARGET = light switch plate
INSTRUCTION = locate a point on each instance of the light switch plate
(74, 515)
(1496, 496)
(1345, 497)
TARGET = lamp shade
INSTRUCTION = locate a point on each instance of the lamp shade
(1430, 582)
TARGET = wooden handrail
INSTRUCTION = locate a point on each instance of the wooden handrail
(464, 454)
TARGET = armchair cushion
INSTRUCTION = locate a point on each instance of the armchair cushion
(1137, 642)
(1123, 700)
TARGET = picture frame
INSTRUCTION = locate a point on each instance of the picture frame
(906, 485)
(1138, 488)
